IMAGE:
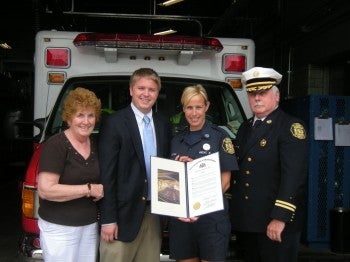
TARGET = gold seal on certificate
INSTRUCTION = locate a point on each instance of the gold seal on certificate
(197, 206)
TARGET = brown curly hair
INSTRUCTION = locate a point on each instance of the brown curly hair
(80, 98)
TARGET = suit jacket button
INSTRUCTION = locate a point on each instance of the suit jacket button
(143, 198)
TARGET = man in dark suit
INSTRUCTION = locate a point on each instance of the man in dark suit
(268, 191)
(129, 232)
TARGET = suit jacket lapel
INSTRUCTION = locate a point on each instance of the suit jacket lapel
(253, 136)
(133, 128)
(158, 132)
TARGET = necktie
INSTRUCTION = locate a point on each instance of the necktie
(257, 123)
(148, 148)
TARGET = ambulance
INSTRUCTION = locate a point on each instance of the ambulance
(103, 63)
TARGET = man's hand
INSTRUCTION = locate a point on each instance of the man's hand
(109, 233)
(274, 230)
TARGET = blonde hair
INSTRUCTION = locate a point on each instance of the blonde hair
(147, 73)
(192, 91)
(80, 98)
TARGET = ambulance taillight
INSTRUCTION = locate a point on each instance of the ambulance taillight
(57, 57)
(234, 63)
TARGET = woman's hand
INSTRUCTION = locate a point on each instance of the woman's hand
(96, 191)
(188, 219)
(183, 158)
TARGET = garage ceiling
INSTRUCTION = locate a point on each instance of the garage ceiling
(269, 23)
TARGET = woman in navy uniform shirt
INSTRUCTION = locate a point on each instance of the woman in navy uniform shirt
(203, 238)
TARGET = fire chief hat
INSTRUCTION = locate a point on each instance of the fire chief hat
(260, 78)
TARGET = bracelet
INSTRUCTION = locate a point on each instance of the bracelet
(89, 190)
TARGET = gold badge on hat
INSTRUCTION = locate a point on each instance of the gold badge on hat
(298, 131)
(227, 145)
(256, 73)
(263, 142)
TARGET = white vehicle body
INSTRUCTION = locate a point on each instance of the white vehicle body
(91, 61)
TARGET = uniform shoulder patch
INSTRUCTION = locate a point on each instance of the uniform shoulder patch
(298, 131)
(227, 145)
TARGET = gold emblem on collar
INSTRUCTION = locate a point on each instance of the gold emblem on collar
(269, 121)
(263, 142)
(298, 131)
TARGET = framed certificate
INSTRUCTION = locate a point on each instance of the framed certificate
(186, 189)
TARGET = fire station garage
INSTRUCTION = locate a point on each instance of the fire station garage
(307, 42)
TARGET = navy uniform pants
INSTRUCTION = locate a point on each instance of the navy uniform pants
(257, 247)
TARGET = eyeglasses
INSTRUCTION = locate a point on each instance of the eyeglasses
(195, 108)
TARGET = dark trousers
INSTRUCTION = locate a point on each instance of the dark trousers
(257, 247)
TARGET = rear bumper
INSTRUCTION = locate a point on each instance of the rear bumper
(29, 247)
